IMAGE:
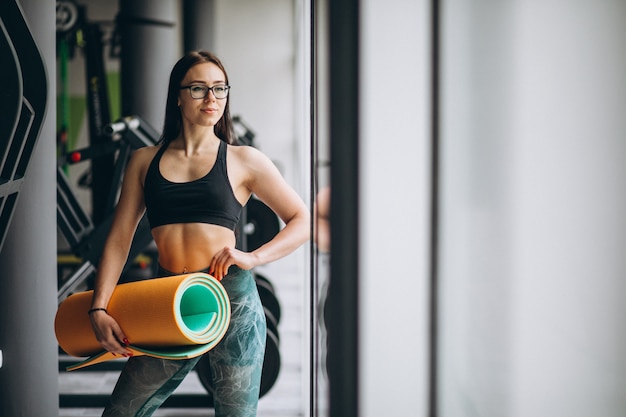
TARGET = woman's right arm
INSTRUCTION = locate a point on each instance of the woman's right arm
(128, 213)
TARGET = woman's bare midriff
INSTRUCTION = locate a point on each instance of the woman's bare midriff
(188, 247)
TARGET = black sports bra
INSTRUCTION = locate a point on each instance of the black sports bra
(209, 199)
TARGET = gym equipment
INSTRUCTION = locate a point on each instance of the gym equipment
(74, 31)
(23, 106)
(272, 323)
(268, 299)
(260, 277)
(126, 135)
(86, 240)
(176, 317)
(270, 302)
(269, 375)
(261, 224)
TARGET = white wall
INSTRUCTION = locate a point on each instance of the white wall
(533, 227)
(475, 267)
(569, 218)
(394, 140)
(256, 40)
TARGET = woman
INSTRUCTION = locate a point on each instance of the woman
(192, 186)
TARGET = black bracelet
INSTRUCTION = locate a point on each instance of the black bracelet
(93, 310)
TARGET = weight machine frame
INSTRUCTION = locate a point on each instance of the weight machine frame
(86, 240)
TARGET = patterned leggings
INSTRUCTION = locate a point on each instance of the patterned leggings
(236, 362)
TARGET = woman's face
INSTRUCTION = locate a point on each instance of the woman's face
(205, 111)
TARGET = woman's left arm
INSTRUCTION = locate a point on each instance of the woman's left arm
(266, 182)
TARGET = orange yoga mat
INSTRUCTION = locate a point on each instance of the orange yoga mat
(176, 317)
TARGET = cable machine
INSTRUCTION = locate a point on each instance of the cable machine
(75, 31)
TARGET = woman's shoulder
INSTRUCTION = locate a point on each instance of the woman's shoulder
(253, 165)
(247, 154)
(141, 158)
(146, 153)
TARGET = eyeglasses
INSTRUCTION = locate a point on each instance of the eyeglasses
(199, 91)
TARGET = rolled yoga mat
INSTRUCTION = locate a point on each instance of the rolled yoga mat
(177, 317)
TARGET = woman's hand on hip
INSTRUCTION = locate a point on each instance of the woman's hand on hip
(231, 256)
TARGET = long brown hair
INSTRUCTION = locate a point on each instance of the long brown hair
(173, 124)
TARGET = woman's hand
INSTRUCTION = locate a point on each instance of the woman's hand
(231, 256)
(109, 333)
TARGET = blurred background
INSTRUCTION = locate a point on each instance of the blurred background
(474, 154)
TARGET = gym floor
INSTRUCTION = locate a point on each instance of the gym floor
(284, 399)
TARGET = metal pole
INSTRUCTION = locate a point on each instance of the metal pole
(343, 353)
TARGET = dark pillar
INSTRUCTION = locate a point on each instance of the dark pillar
(199, 18)
(28, 280)
(343, 290)
(99, 116)
(151, 44)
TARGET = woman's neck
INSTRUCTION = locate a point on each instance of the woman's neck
(196, 141)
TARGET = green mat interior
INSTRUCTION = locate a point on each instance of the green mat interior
(198, 307)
